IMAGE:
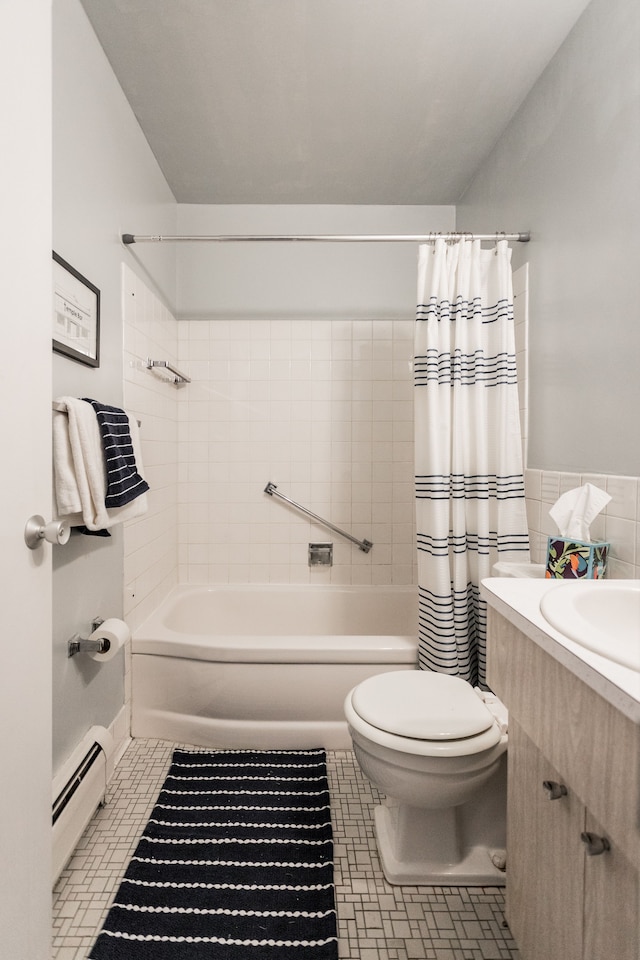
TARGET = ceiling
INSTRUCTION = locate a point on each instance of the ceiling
(326, 101)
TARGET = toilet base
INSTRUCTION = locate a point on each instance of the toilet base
(438, 860)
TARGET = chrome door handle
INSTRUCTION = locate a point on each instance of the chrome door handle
(36, 530)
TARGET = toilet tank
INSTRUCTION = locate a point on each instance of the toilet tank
(505, 568)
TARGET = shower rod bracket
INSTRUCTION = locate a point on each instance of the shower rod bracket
(364, 545)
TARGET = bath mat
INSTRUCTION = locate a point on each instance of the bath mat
(235, 863)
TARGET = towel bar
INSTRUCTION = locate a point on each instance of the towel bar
(60, 408)
(178, 377)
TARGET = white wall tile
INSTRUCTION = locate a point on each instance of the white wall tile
(314, 406)
(612, 525)
(151, 541)
(624, 497)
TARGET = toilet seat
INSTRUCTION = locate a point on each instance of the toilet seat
(429, 714)
(423, 705)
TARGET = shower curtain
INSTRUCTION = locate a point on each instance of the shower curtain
(470, 507)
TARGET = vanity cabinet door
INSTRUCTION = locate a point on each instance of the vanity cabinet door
(544, 895)
(611, 903)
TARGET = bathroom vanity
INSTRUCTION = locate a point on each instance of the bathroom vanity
(573, 810)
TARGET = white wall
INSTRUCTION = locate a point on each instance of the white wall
(278, 281)
(106, 182)
(619, 522)
(567, 169)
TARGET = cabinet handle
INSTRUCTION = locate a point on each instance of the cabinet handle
(595, 844)
(554, 790)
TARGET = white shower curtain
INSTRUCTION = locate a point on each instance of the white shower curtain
(470, 507)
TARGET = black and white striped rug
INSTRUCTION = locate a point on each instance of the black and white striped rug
(236, 863)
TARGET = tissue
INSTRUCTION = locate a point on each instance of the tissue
(574, 512)
(572, 555)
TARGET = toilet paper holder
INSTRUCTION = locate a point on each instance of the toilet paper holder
(78, 644)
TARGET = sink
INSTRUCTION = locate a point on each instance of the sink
(600, 615)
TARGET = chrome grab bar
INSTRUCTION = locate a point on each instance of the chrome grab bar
(364, 545)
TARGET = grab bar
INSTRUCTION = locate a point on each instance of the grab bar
(364, 545)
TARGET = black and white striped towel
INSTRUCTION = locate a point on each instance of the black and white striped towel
(236, 863)
(124, 483)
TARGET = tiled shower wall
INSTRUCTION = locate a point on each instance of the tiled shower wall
(151, 541)
(323, 409)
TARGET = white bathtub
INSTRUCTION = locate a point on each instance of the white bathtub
(265, 666)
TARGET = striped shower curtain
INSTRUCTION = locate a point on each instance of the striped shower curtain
(470, 507)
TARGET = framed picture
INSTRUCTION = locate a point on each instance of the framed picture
(76, 314)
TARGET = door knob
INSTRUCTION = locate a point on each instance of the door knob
(554, 790)
(36, 530)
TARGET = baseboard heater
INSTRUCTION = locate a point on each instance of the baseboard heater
(79, 788)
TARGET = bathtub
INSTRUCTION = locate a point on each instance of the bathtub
(265, 666)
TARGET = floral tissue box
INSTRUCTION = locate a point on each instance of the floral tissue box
(575, 559)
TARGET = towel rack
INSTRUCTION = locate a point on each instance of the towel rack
(364, 545)
(60, 408)
(178, 377)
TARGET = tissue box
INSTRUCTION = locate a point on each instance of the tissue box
(571, 559)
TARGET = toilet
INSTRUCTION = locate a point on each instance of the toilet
(437, 749)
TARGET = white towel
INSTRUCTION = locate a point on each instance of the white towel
(79, 468)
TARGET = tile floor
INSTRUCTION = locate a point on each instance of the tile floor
(376, 921)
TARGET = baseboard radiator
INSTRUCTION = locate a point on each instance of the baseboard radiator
(79, 788)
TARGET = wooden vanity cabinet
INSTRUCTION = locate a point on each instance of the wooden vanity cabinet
(543, 840)
(611, 902)
(567, 743)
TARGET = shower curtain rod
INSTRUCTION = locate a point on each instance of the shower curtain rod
(129, 238)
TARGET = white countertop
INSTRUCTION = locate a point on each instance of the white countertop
(518, 601)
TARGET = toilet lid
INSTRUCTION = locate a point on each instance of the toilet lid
(421, 705)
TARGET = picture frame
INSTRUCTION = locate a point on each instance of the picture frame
(76, 314)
